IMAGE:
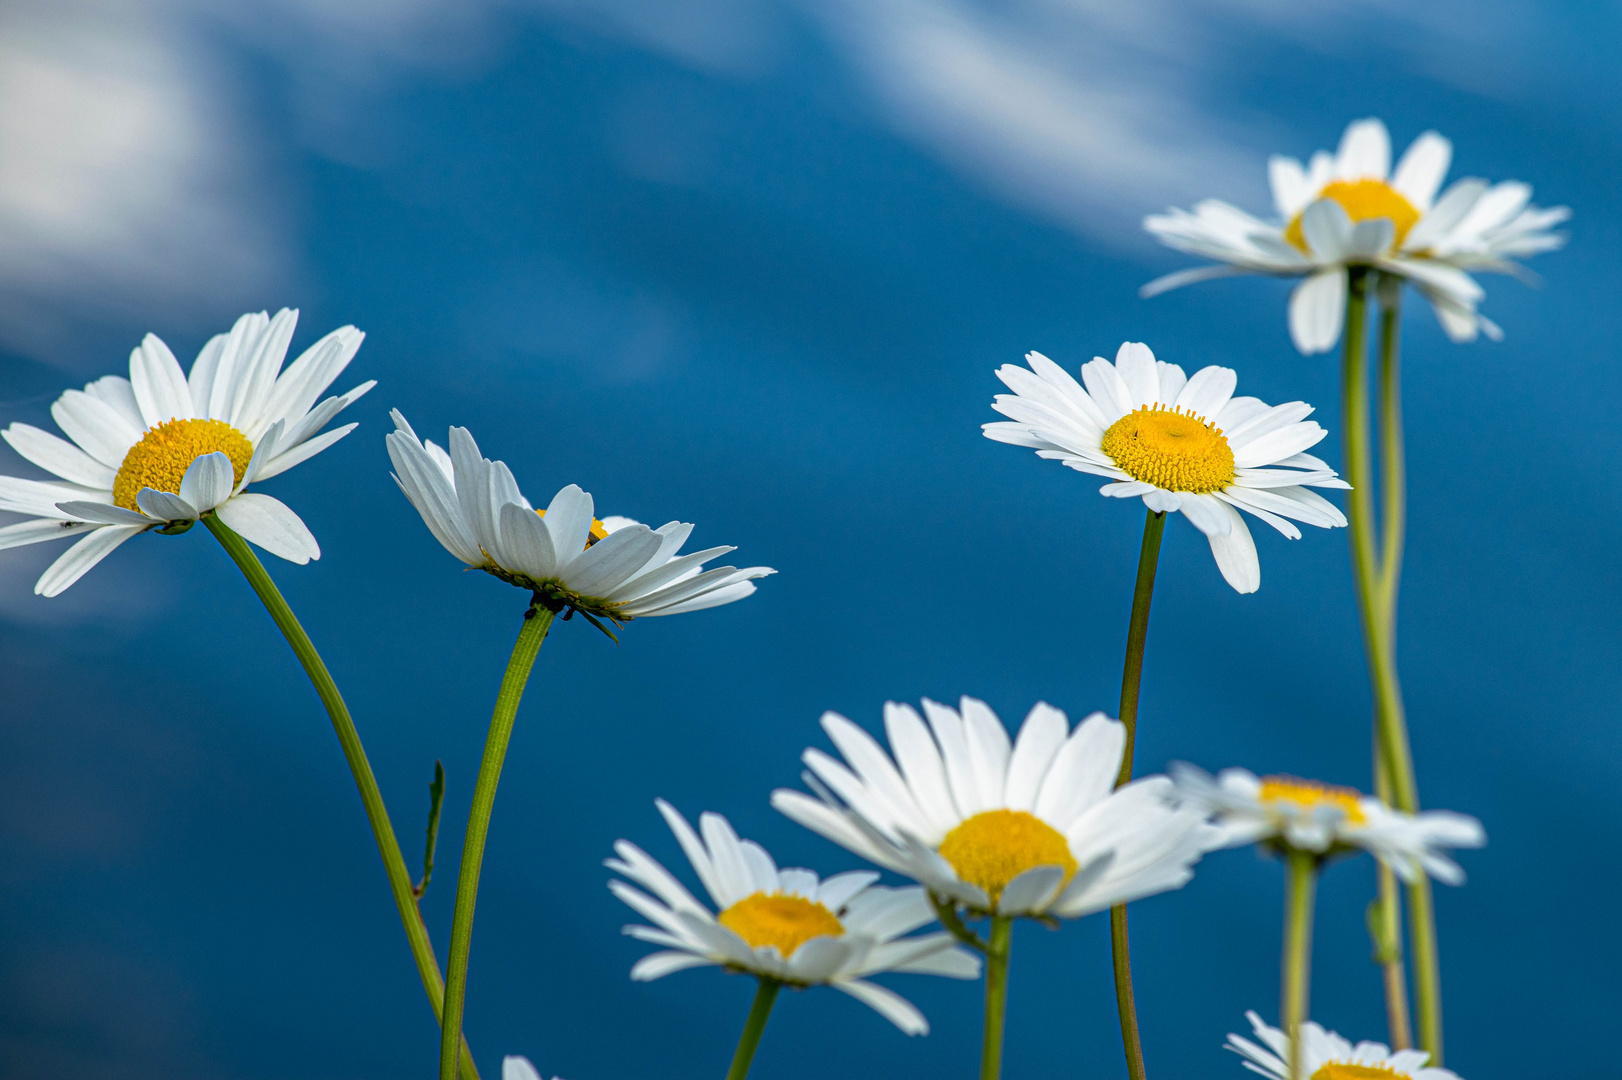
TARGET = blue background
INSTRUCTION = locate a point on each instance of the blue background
(757, 287)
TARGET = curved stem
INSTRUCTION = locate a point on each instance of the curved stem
(537, 620)
(1299, 885)
(753, 1028)
(422, 950)
(1137, 633)
(997, 948)
(1393, 458)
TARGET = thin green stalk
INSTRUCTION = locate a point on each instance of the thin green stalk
(1137, 633)
(1393, 459)
(1299, 885)
(537, 620)
(405, 899)
(1385, 927)
(1388, 710)
(753, 1028)
(1377, 594)
(1001, 937)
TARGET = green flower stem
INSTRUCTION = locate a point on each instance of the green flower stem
(1137, 632)
(1299, 884)
(1385, 926)
(422, 950)
(1001, 937)
(1376, 596)
(754, 1028)
(537, 620)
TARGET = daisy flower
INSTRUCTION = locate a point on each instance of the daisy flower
(1309, 816)
(785, 925)
(1327, 1056)
(616, 568)
(1180, 443)
(1032, 826)
(1352, 209)
(163, 447)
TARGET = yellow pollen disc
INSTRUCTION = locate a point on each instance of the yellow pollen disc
(160, 460)
(994, 847)
(1334, 1070)
(1171, 449)
(599, 531)
(785, 921)
(1363, 200)
(1306, 794)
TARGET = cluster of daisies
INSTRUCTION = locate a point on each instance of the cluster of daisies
(980, 823)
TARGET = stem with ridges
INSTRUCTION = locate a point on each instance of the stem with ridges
(997, 948)
(371, 797)
(537, 620)
(1137, 633)
(1301, 872)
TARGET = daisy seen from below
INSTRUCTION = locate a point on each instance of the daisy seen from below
(1324, 819)
(163, 448)
(614, 569)
(785, 927)
(1327, 1056)
(993, 827)
(1351, 209)
(1308, 823)
(609, 571)
(1179, 443)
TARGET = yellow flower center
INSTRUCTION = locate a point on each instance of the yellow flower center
(994, 847)
(785, 921)
(160, 460)
(598, 531)
(1335, 1070)
(1171, 449)
(1307, 794)
(1363, 200)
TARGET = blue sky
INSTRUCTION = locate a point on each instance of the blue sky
(752, 266)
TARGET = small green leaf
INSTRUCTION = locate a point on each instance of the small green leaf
(436, 800)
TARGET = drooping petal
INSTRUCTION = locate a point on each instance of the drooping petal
(77, 560)
(270, 524)
(1318, 311)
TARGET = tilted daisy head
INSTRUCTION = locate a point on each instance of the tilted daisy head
(787, 925)
(613, 569)
(1031, 826)
(162, 448)
(1351, 208)
(1327, 1056)
(1179, 443)
(1323, 819)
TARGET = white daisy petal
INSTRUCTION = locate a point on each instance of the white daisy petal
(58, 456)
(164, 505)
(270, 524)
(1318, 311)
(78, 559)
(160, 386)
(1235, 553)
(1419, 174)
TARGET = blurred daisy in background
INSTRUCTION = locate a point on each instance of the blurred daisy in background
(784, 925)
(1180, 443)
(517, 1067)
(1032, 826)
(162, 448)
(1320, 818)
(1327, 1056)
(615, 568)
(1352, 208)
